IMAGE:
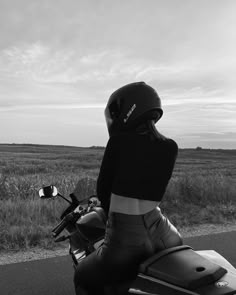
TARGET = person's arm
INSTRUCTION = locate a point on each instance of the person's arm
(106, 174)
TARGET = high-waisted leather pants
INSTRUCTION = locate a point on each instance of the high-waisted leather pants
(129, 240)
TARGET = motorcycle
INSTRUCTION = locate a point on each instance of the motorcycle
(174, 271)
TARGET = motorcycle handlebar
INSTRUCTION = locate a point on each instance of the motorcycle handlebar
(59, 228)
(62, 225)
(73, 216)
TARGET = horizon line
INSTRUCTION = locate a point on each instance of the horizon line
(100, 146)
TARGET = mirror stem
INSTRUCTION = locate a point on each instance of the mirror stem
(64, 198)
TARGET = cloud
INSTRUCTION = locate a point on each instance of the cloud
(36, 61)
(26, 55)
(8, 108)
(99, 57)
(64, 55)
(212, 136)
(45, 64)
(34, 74)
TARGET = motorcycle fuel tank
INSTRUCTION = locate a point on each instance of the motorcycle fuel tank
(92, 226)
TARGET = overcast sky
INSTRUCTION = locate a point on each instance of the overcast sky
(61, 59)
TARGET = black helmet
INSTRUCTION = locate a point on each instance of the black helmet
(132, 105)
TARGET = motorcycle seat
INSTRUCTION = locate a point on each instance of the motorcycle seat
(183, 267)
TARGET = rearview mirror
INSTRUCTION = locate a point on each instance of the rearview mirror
(48, 192)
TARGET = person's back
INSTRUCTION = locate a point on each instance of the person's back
(135, 170)
(140, 165)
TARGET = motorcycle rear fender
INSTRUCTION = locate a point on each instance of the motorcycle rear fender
(216, 258)
(225, 285)
(147, 285)
(182, 267)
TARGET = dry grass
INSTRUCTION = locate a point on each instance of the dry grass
(202, 189)
(198, 199)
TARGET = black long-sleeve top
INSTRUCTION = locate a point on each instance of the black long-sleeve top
(136, 166)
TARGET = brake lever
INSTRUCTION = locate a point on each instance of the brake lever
(62, 238)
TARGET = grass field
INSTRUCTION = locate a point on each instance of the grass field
(202, 188)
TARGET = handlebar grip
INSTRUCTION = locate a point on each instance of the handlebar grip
(71, 217)
(59, 228)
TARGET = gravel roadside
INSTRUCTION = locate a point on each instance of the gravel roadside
(9, 257)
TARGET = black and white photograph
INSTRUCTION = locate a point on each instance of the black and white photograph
(117, 147)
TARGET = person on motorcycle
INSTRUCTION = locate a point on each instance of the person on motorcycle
(137, 165)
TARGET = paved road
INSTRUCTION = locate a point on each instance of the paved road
(54, 276)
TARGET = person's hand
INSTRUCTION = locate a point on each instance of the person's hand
(94, 201)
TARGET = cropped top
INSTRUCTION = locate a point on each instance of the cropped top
(136, 166)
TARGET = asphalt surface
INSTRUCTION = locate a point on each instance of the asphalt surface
(54, 276)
